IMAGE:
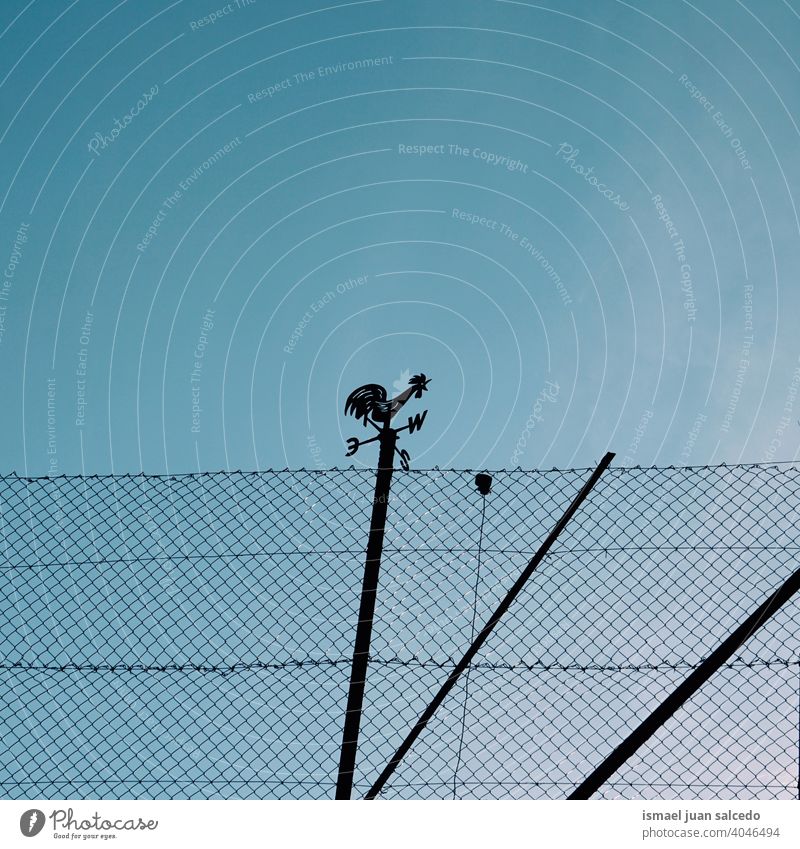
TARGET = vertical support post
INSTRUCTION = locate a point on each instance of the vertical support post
(687, 688)
(369, 591)
(465, 661)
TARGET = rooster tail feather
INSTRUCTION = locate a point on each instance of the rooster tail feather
(360, 402)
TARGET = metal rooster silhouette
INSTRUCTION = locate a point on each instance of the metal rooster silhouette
(370, 403)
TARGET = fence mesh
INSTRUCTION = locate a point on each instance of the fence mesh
(190, 636)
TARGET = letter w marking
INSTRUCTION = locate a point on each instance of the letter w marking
(415, 423)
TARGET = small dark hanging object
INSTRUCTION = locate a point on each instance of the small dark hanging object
(484, 483)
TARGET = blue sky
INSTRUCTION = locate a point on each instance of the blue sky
(577, 219)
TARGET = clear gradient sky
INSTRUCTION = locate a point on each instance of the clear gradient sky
(578, 218)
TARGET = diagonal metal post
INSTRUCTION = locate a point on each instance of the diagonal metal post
(366, 613)
(487, 629)
(688, 688)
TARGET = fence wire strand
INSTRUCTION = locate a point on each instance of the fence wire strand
(190, 636)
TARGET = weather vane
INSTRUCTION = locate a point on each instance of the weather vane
(371, 404)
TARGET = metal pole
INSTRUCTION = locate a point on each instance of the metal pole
(369, 590)
(688, 688)
(487, 629)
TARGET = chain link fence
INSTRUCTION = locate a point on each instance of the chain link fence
(190, 636)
